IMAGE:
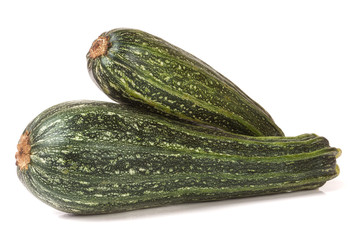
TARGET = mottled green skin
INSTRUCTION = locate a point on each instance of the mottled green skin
(143, 68)
(92, 157)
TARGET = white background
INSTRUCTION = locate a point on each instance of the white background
(299, 59)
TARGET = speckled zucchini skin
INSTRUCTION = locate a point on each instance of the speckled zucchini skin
(92, 157)
(144, 69)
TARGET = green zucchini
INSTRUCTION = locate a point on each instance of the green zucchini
(88, 157)
(134, 66)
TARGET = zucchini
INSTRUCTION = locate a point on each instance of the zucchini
(134, 66)
(89, 157)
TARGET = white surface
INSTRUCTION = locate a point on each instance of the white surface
(298, 59)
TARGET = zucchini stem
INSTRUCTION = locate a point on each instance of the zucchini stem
(23, 154)
(99, 47)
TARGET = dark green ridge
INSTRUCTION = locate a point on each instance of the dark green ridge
(142, 68)
(176, 137)
(160, 47)
(94, 187)
(142, 163)
(184, 102)
(137, 183)
(92, 157)
(97, 203)
(183, 105)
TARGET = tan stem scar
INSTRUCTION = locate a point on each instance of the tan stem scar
(23, 154)
(99, 47)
